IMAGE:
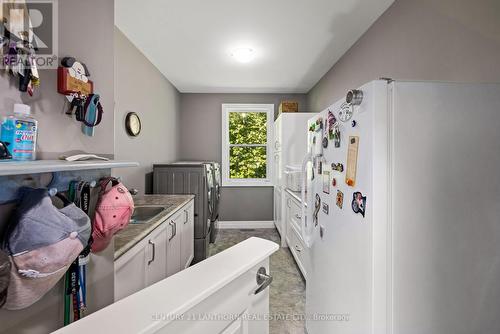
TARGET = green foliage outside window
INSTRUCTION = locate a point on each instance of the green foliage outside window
(248, 162)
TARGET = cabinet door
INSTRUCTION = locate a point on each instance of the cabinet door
(277, 134)
(187, 236)
(174, 230)
(130, 272)
(277, 210)
(279, 180)
(157, 255)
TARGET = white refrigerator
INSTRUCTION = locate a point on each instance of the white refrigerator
(413, 247)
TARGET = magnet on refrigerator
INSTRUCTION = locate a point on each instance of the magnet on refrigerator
(359, 203)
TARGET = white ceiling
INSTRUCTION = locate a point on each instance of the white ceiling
(296, 41)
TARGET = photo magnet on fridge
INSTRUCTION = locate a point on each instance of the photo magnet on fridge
(340, 199)
(331, 124)
(339, 167)
(359, 203)
(336, 135)
(326, 208)
(326, 182)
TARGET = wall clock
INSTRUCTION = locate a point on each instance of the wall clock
(133, 124)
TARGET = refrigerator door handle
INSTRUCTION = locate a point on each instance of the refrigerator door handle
(304, 227)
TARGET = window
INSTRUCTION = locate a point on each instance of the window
(246, 151)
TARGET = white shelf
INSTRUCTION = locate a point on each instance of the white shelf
(48, 166)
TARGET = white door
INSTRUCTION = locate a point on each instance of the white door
(174, 227)
(220, 295)
(277, 210)
(278, 172)
(341, 259)
(157, 261)
(130, 273)
(277, 134)
(187, 237)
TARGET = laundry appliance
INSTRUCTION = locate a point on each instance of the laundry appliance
(214, 221)
(194, 178)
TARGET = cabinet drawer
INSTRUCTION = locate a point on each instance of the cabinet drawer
(298, 250)
(294, 212)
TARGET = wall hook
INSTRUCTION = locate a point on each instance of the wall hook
(53, 192)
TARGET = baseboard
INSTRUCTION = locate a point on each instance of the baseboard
(226, 225)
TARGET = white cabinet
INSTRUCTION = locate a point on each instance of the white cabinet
(157, 260)
(174, 244)
(187, 237)
(277, 134)
(278, 218)
(290, 146)
(129, 280)
(149, 255)
(168, 249)
(279, 180)
(180, 243)
(292, 223)
(290, 142)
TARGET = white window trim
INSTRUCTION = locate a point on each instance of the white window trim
(226, 109)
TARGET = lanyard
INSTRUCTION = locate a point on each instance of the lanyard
(76, 277)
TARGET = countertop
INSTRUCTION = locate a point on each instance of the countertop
(134, 233)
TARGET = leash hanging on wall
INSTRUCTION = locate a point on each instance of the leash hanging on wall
(73, 82)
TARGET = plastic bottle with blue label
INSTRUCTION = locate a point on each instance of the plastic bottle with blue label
(20, 131)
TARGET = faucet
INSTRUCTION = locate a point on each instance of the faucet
(133, 191)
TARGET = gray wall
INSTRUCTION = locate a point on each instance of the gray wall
(141, 88)
(90, 43)
(446, 40)
(201, 139)
(86, 33)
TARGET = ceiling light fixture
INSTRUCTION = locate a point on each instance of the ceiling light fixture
(243, 55)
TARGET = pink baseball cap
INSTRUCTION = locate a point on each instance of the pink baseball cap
(113, 212)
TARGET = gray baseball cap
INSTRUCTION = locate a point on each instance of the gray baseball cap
(42, 242)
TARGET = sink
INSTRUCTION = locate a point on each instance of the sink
(143, 214)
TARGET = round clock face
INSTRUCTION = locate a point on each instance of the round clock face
(133, 124)
(345, 113)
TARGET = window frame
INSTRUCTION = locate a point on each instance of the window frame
(226, 146)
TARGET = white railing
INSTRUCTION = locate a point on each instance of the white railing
(217, 295)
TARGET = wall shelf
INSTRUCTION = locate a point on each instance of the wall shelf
(48, 166)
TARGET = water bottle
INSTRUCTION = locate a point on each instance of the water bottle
(20, 131)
